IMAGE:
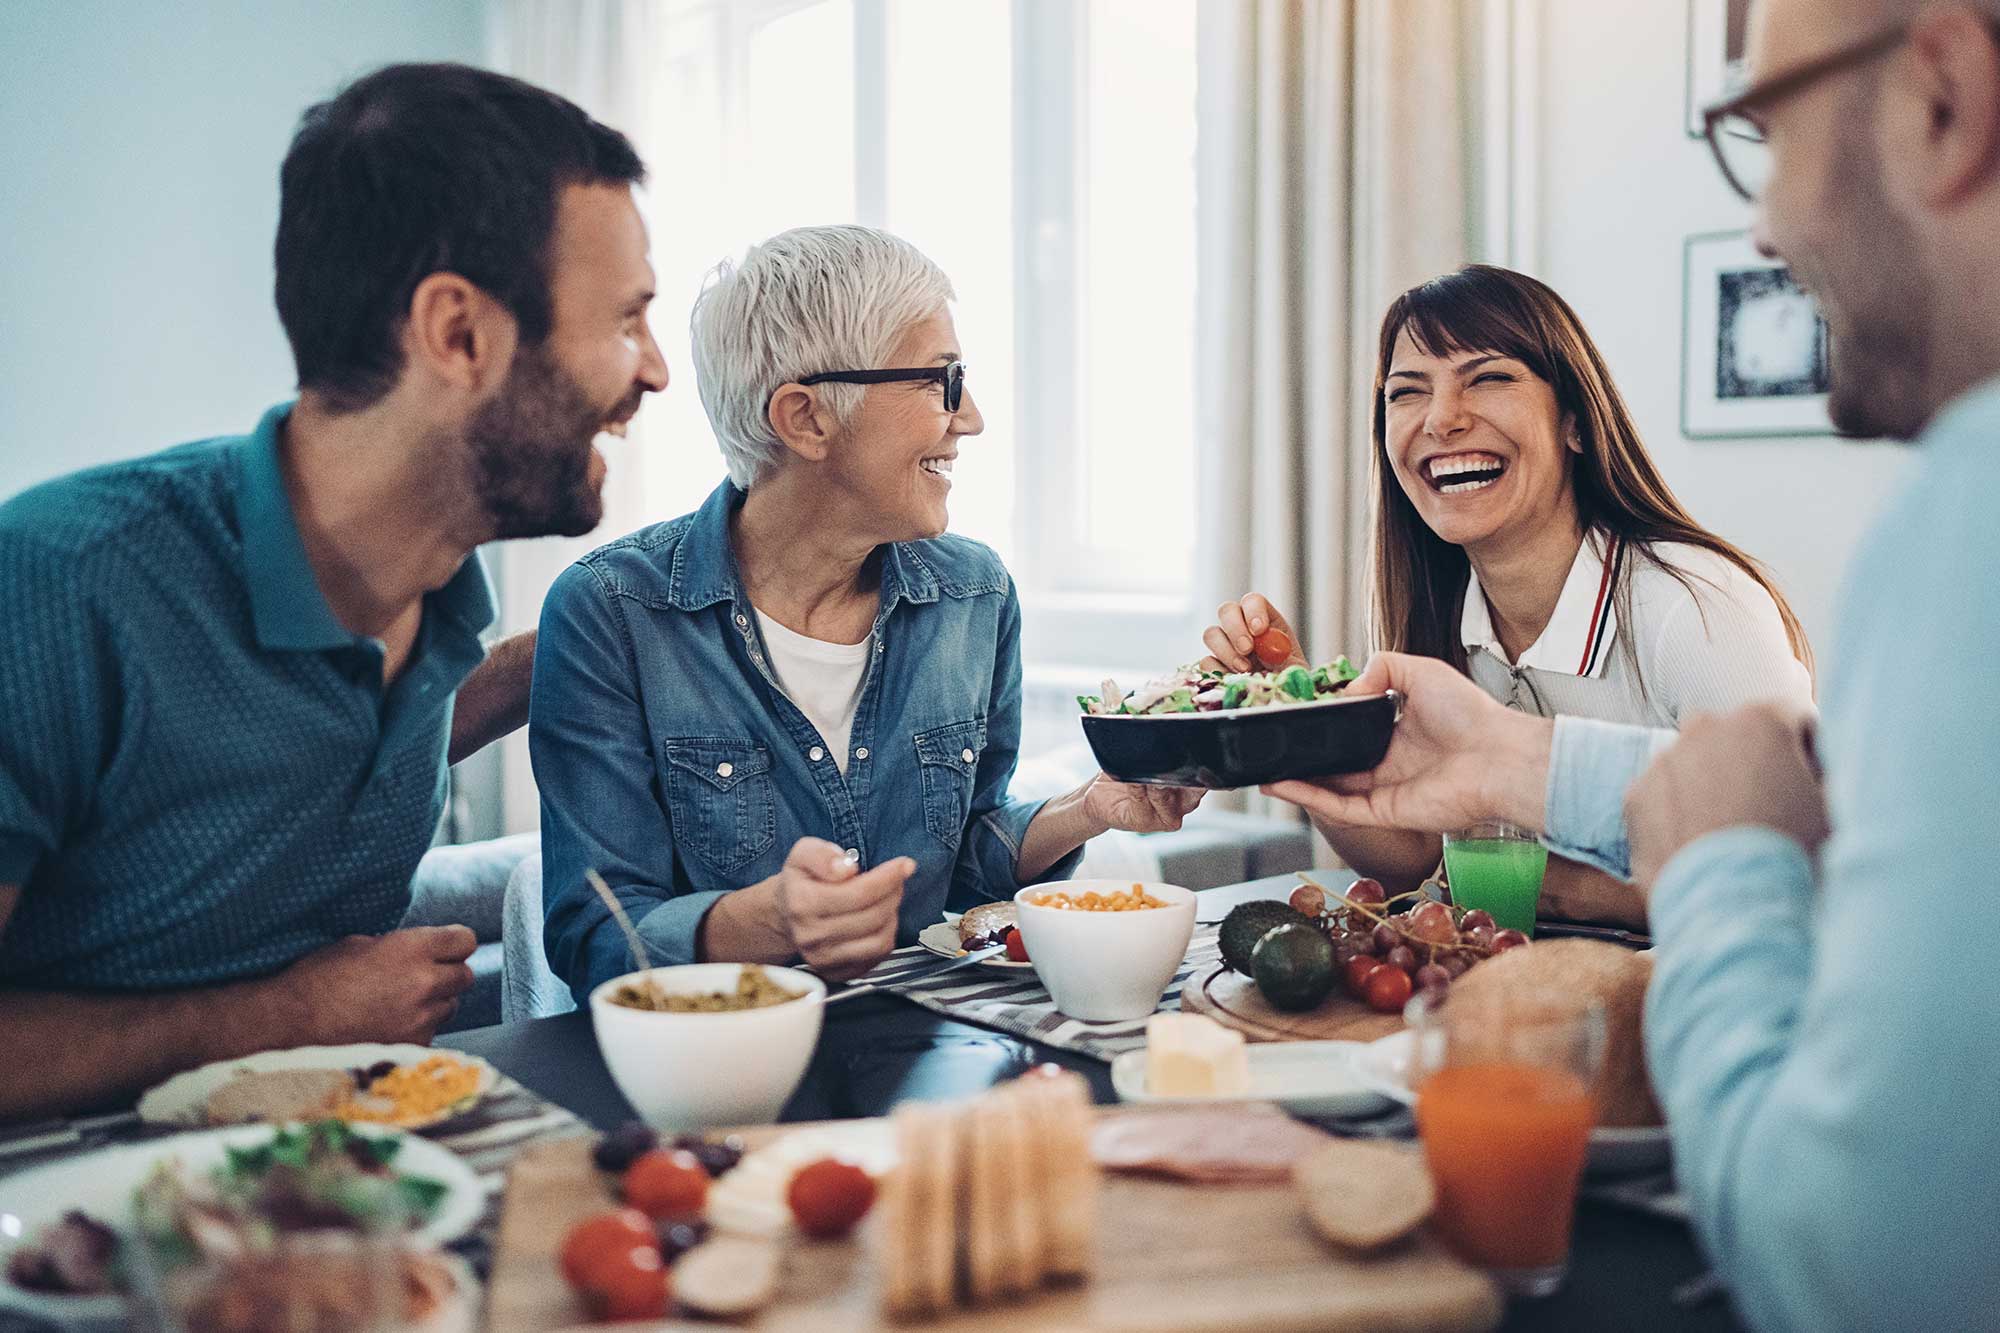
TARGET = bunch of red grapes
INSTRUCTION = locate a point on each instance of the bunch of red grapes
(1388, 953)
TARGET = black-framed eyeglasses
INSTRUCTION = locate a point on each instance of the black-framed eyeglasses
(952, 377)
(1734, 126)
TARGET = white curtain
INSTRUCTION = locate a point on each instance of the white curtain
(601, 55)
(1332, 175)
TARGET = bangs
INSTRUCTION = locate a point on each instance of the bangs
(1469, 311)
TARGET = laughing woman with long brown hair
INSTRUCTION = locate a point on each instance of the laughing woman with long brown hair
(1523, 534)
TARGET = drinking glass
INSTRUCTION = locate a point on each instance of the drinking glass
(1497, 867)
(1506, 1098)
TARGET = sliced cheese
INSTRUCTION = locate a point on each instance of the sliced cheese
(1188, 1055)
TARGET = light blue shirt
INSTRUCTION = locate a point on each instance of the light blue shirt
(1827, 1045)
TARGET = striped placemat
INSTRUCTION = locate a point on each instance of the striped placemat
(1017, 1003)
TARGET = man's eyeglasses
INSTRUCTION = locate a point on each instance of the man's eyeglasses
(1735, 127)
(952, 377)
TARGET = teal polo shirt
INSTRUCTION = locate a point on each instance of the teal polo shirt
(202, 777)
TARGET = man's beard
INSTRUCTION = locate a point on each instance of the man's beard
(1879, 357)
(530, 448)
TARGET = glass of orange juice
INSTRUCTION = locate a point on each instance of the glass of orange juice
(1506, 1098)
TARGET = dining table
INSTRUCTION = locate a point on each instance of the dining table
(1634, 1263)
(1632, 1266)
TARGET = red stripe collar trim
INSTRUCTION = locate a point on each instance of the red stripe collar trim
(1597, 612)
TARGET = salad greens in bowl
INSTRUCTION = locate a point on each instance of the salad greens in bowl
(1217, 729)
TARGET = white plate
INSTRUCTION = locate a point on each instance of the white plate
(102, 1183)
(942, 940)
(1310, 1078)
(1614, 1150)
(181, 1099)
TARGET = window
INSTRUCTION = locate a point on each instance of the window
(1042, 152)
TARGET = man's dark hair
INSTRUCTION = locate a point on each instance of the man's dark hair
(421, 169)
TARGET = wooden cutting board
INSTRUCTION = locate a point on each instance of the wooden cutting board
(1233, 999)
(1172, 1258)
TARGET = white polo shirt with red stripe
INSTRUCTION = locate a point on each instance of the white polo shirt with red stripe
(1674, 651)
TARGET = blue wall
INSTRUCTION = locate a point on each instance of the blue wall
(139, 151)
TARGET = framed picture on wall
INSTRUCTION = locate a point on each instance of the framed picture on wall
(1754, 346)
(1718, 40)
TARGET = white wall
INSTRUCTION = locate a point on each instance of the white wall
(1621, 186)
(139, 151)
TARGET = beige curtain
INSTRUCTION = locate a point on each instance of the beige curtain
(1333, 169)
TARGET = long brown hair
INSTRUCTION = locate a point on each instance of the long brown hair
(1420, 579)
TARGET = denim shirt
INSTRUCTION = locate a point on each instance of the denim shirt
(670, 760)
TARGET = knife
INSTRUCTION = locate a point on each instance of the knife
(873, 984)
(1630, 938)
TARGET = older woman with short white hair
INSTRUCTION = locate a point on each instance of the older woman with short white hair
(782, 726)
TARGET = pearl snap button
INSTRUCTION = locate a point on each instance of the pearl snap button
(742, 621)
(815, 754)
(966, 755)
(861, 753)
(724, 770)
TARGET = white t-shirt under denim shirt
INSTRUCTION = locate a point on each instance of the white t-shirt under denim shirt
(823, 679)
(1705, 646)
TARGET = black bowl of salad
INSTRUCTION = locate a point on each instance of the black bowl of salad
(1223, 730)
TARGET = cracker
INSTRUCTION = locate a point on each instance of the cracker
(985, 1263)
(1022, 1183)
(937, 1225)
(1362, 1195)
(1070, 1179)
(895, 1220)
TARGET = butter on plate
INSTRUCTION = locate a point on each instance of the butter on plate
(1188, 1055)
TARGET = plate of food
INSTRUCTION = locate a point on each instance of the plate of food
(401, 1086)
(985, 925)
(1217, 729)
(69, 1231)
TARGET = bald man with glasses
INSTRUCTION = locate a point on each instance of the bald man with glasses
(1820, 1024)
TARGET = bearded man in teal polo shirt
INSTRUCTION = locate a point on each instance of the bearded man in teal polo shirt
(228, 686)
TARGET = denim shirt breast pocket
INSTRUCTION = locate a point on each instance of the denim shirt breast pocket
(948, 758)
(720, 798)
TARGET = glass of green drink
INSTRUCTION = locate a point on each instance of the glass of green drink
(1497, 867)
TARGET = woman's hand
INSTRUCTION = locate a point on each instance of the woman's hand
(1138, 808)
(840, 918)
(1250, 635)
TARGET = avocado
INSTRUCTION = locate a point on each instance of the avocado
(1293, 966)
(1246, 924)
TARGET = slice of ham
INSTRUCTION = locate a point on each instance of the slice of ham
(1244, 1144)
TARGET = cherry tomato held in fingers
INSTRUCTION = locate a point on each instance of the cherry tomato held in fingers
(1389, 989)
(637, 1286)
(666, 1183)
(1359, 969)
(602, 1240)
(828, 1197)
(1017, 949)
(1274, 647)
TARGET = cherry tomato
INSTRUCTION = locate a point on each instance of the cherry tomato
(1359, 969)
(1017, 950)
(636, 1286)
(1388, 989)
(1274, 647)
(666, 1183)
(828, 1197)
(601, 1238)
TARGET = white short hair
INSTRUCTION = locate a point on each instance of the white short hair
(809, 300)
